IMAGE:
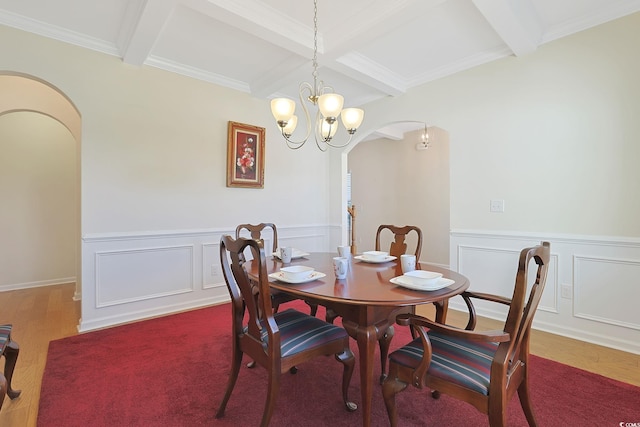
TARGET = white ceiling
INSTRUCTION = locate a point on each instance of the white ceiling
(368, 49)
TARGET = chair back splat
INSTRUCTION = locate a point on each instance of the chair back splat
(275, 341)
(398, 245)
(483, 368)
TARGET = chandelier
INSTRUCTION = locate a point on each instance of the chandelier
(424, 143)
(328, 104)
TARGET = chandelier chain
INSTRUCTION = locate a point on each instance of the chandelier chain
(315, 49)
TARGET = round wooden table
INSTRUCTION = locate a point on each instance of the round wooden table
(368, 303)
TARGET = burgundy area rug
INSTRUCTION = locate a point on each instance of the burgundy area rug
(172, 371)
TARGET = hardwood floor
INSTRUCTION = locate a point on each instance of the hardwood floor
(43, 314)
(38, 315)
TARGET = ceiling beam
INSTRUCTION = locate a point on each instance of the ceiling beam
(145, 26)
(515, 21)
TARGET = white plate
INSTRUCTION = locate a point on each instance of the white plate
(374, 261)
(280, 276)
(295, 254)
(407, 283)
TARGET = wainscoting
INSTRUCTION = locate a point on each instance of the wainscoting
(592, 290)
(128, 277)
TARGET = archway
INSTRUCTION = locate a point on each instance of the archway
(393, 181)
(26, 93)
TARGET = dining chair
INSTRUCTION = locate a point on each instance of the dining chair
(483, 368)
(275, 341)
(9, 349)
(256, 232)
(398, 245)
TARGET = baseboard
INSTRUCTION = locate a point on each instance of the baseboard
(129, 317)
(38, 284)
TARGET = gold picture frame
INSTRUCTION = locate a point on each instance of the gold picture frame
(245, 155)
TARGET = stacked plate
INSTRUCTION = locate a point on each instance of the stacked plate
(375, 257)
(422, 280)
(297, 274)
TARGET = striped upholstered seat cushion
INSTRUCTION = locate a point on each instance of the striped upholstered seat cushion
(5, 333)
(299, 331)
(458, 361)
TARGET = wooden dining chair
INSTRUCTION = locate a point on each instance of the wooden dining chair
(398, 245)
(9, 349)
(256, 231)
(484, 369)
(275, 341)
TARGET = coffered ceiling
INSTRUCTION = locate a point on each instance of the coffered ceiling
(368, 49)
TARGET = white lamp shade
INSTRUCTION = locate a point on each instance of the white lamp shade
(352, 118)
(282, 109)
(291, 125)
(330, 104)
(326, 130)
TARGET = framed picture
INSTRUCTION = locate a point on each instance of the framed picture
(245, 156)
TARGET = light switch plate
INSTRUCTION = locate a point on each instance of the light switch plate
(496, 206)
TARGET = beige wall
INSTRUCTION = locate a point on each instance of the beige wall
(553, 133)
(393, 183)
(38, 212)
(154, 145)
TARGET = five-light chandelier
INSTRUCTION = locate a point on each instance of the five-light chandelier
(328, 103)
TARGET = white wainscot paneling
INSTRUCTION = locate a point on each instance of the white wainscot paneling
(600, 275)
(212, 276)
(493, 270)
(132, 276)
(305, 240)
(604, 290)
(125, 276)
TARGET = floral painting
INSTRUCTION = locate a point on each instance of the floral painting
(245, 156)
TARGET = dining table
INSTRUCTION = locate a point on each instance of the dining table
(367, 301)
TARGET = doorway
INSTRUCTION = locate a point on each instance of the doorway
(395, 181)
(41, 154)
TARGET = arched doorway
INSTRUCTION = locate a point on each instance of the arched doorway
(29, 101)
(395, 181)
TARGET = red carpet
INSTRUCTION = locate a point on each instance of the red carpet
(172, 371)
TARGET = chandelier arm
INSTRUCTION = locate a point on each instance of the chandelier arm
(341, 145)
(317, 132)
(290, 142)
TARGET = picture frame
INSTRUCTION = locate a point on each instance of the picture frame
(245, 155)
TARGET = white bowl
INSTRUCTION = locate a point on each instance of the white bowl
(297, 272)
(375, 255)
(423, 277)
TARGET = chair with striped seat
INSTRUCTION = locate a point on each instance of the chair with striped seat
(9, 349)
(275, 341)
(483, 368)
(256, 230)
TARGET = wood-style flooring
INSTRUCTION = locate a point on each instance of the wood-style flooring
(40, 315)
